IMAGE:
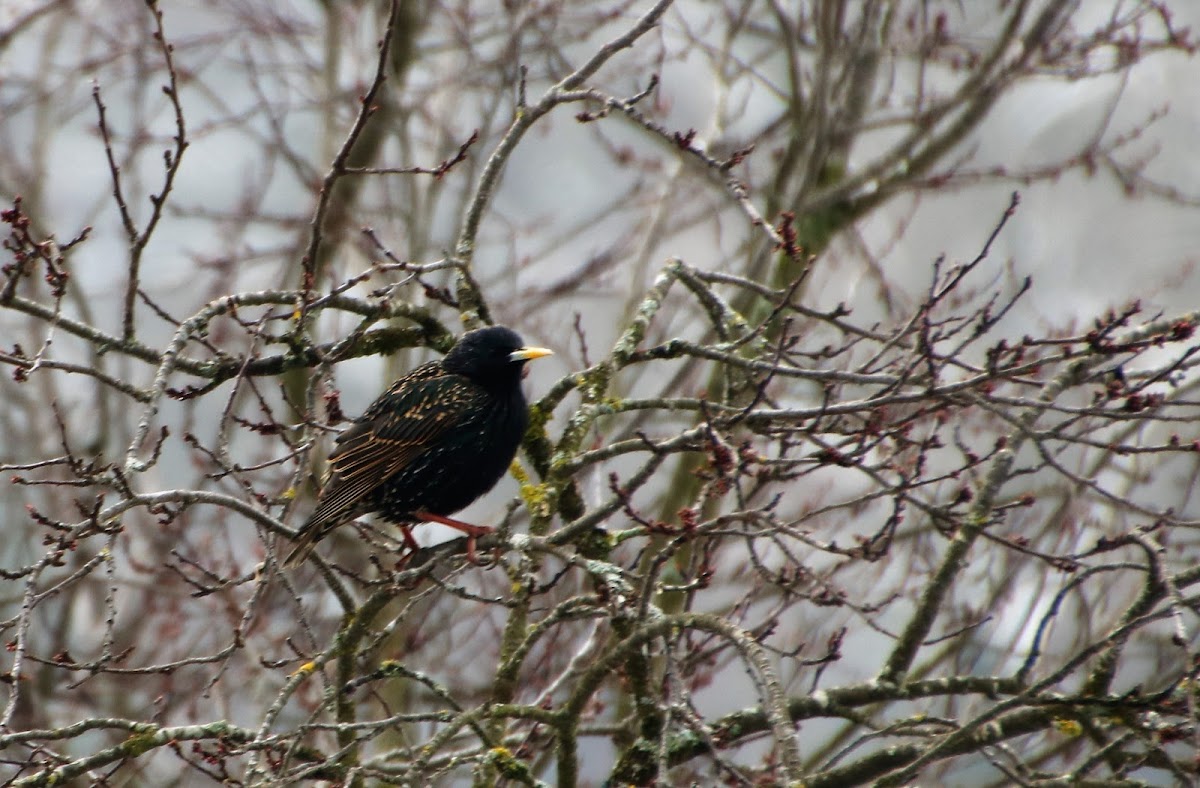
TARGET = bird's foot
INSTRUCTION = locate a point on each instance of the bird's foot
(473, 532)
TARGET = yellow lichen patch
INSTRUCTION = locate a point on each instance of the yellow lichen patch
(1068, 727)
(507, 765)
(305, 669)
(536, 498)
(537, 420)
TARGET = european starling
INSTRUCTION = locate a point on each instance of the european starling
(439, 438)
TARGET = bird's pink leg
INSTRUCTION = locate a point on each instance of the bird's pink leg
(409, 542)
(473, 532)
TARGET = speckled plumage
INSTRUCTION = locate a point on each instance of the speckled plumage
(439, 438)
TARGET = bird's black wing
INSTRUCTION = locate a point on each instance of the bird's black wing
(408, 419)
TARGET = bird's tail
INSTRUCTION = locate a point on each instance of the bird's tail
(305, 542)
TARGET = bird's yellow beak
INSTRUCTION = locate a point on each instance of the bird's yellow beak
(529, 353)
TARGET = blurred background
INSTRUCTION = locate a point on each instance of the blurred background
(888, 136)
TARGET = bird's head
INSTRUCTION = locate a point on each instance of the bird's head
(492, 355)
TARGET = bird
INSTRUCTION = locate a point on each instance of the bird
(436, 440)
